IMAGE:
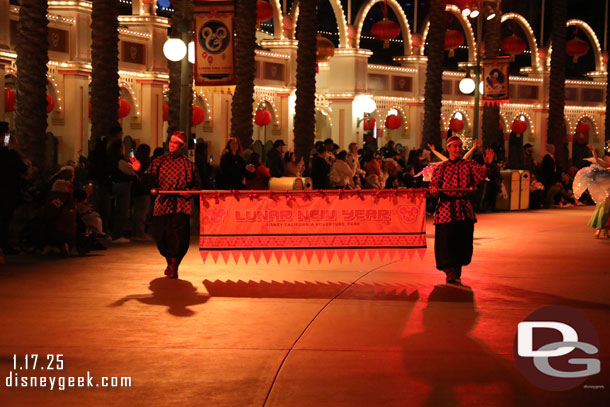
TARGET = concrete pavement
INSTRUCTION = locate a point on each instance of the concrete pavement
(376, 333)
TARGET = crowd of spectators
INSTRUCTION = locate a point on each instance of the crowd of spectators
(105, 198)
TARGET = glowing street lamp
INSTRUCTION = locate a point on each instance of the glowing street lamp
(174, 49)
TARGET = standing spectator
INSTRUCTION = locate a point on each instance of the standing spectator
(291, 167)
(320, 169)
(203, 162)
(233, 168)
(12, 168)
(529, 164)
(100, 169)
(274, 159)
(341, 173)
(141, 195)
(173, 172)
(261, 174)
(122, 174)
(550, 168)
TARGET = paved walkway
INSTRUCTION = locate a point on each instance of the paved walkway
(362, 334)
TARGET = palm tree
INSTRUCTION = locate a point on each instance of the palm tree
(32, 57)
(434, 74)
(491, 113)
(243, 99)
(104, 67)
(181, 18)
(556, 126)
(305, 110)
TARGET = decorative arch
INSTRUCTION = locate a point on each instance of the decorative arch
(505, 128)
(206, 104)
(597, 50)
(466, 119)
(131, 95)
(589, 120)
(529, 34)
(266, 100)
(278, 32)
(402, 21)
(466, 27)
(531, 125)
(339, 16)
(402, 114)
(54, 88)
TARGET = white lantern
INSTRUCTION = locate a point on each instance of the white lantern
(174, 49)
(467, 85)
(191, 52)
(481, 87)
(365, 104)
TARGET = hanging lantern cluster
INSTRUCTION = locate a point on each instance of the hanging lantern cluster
(453, 39)
(393, 122)
(456, 125)
(262, 117)
(264, 11)
(10, 98)
(519, 126)
(386, 29)
(513, 45)
(368, 123)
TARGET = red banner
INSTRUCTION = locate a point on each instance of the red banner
(302, 224)
(214, 55)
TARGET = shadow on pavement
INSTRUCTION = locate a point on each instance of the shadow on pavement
(451, 361)
(309, 289)
(177, 295)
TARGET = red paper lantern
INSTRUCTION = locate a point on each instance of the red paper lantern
(417, 40)
(50, 104)
(165, 111)
(264, 11)
(351, 32)
(583, 128)
(543, 53)
(576, 48)
(124, 108)
(368, 124)
(605, 58)
(262, 117)
(453, 39)
(325, 49)
(393, 122)
(385, 30)
(519, 126)
(198, 115)
(456, 125)
(287, 24)
(10, 98)
(513, 45)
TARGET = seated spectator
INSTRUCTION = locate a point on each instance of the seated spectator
(537, 193)
(261, 174)
(341, 173)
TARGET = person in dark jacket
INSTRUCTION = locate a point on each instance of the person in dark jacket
(122, 175)
(233, 167)
(274, 159)
(320, 169)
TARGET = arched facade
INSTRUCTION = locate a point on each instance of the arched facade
(339, 16)
(402, 21)
(529, 35)
(466, 27)
(597, 50)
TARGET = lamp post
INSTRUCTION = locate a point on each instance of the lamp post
(477, 9)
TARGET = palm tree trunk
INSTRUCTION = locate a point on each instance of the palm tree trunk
(556, 126)
(32, 58)
(305, 110)
(243, 99)
(491, 114)
(434, 75)
(105, 67)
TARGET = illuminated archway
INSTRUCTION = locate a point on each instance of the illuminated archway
(339, 16)
(529, 34)
(597, 50)
(402, 21)
(466, 27)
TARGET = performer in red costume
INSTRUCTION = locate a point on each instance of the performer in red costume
(171, 229)
(454, 217)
